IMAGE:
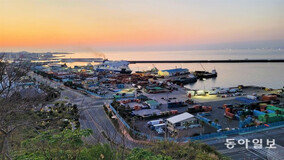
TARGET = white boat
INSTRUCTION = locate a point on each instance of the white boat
(113, 66)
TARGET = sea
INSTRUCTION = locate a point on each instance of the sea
(269, 75)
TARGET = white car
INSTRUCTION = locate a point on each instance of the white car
(222, 91)
(213, 92)
(233, 90)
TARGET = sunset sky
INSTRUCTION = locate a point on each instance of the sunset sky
(139, 24)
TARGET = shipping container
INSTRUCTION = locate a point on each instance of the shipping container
(154, 122)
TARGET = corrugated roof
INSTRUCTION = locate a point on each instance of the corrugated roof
(180, 117)
(152, 102)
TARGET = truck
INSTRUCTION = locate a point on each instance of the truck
(157, 126)
(227, 106)
(270, 98)
(228, 113)
(176, 104)
(154, 122)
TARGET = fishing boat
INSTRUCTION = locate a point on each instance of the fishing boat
(114, 66)
(186, 80)
(205, 74)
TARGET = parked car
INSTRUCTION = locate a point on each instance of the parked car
(213, 92)
(233, 90)
(223, 91)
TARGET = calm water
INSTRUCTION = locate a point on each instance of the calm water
(232, 74)
(229, 74)
(197, 55)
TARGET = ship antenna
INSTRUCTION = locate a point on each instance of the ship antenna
(202, 66)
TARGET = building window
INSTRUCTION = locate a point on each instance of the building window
(178, 124)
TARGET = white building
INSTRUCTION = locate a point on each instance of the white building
(180, 121)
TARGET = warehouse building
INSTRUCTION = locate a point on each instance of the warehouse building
(181, 121)
(152, 104)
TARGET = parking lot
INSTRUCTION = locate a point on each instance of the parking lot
(218, 113)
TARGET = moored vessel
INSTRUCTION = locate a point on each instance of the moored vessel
(114, 66)
(205, 74)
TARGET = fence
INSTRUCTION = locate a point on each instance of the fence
(119, 117)
(246, 100)
(208, 121)
(127, 126)
(200, 137)
(237, 131)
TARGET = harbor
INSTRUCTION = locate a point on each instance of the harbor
(179, 102)
(142, 80)
(159, 103)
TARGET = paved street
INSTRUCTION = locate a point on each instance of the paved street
(92, 115)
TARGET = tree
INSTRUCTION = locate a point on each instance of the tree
(15, 112)
(143, 154)
(52, 144)
(185, 151)
(187, 124)
(98, 151)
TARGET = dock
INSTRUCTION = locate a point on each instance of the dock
(213, 61)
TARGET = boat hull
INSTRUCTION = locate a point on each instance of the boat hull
(122, 71)
(203, 74)
(185, 81)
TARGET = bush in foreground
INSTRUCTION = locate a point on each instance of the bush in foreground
(68, 144)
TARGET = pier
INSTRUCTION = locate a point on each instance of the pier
(213, 61)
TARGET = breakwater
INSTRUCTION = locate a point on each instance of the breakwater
(212, 61)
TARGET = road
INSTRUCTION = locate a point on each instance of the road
(92, 115)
